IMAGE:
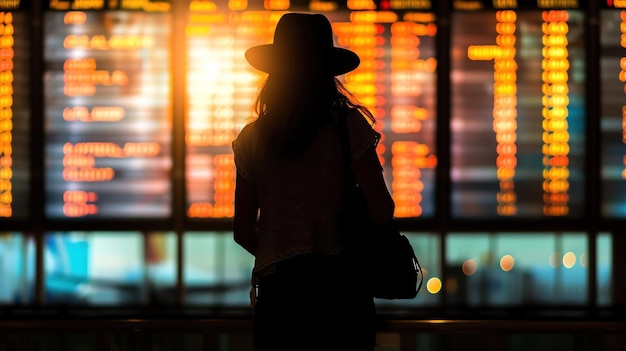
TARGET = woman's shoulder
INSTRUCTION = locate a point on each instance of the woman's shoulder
(245, 137)
(359, 124)
(243, 147)
(361, 131)
(356, 116)
(248, 129)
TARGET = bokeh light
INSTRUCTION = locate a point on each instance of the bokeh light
(569, 260)
(433, 285)
(507, 262)
(469, 267)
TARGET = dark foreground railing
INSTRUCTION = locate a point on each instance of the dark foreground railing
(235, 335)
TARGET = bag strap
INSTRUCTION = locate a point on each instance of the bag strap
(344, 138)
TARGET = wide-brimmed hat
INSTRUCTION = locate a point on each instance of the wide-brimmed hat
(302, 40)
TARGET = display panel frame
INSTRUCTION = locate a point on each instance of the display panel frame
(114, 70)
(395, 81)
(518, 140)
(16, 116)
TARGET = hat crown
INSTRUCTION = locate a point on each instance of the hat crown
(307, 33)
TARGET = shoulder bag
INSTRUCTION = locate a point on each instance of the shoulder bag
(383, 255)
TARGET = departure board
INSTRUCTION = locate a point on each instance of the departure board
(14, 111)
(108, 118)
(613, 107)
(518, 111)
(395, 80)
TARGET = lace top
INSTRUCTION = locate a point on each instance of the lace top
(299, 199)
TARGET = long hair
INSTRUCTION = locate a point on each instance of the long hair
(292, 106)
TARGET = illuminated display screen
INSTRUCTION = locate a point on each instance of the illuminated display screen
(107, 112)
(517, 114)
(613, 105)
(396, 81)
(14, 115)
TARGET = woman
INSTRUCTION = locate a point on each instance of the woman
(290, 177)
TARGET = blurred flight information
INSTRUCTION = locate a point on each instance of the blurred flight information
(395, 80)
(518, 113)
(613, 105)
(14, 112)
(107, 109)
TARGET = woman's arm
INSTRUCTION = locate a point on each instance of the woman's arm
(369, 175)
(245, 231)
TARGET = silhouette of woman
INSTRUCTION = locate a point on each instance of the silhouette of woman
(307, 295)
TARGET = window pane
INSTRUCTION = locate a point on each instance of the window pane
(572, 272)
(161, 256)
(99, 268)
(605, 269)
(217, 270)
(517, 269)
(16, 269)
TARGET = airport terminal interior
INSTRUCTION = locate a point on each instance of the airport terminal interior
(503, 127)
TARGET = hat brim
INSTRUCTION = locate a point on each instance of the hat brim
(339, 61)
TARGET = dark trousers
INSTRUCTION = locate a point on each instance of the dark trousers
(314, 302)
